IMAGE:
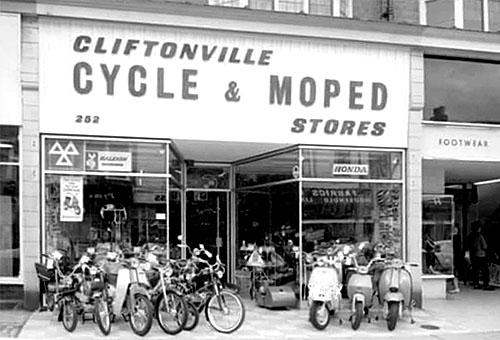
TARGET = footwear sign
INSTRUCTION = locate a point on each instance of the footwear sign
(71, 199)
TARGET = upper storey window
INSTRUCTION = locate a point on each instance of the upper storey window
(462, 91)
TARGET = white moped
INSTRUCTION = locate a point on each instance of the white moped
(324, 285)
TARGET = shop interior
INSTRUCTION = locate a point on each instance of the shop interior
(471, 192)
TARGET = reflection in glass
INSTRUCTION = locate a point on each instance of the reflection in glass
(118, 213)
(437, 233)
(9, 144)
(9, 221)
(467, 91)
(350, 164)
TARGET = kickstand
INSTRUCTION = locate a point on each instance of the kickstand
(410, 309)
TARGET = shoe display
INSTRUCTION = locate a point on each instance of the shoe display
(488, 288)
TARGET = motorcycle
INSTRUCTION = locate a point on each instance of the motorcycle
(130, 293)
(324, 286)
(395, 288)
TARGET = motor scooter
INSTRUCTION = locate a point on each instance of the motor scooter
(360, 290)
(324, 287)
(395, 288)
(130, 294)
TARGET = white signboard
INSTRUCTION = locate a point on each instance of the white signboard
(461, 142)
(114, 161)
(169, 82)
(71, 199)
(351, 169)
(10, 61)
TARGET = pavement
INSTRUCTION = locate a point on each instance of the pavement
(470, 314)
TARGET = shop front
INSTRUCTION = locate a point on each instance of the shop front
(234, 140)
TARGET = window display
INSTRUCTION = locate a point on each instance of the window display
(341, 197)
(108, 195)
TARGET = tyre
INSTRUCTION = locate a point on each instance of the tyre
(225, 312)
(141, 315)
(102, 315)
(319, 315)
(392, 316)
(171, 312)
(69, 315)
(192, 317)
(357, 316)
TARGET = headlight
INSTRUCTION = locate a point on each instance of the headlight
(220, 273)
(134, 263)
(169, 271)
(93, 271)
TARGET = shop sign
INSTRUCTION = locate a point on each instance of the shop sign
(461, 143)
(169, 82)
(64, 154)
(109, 161)
(10, 76)
(351, 169)
(71, 188)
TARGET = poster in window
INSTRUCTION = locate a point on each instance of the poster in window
(71, 199)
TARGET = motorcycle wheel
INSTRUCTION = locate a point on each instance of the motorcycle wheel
(225, 312)
(192, 317)
(357, 316)
(141, 315)
(319, 315)
(50, 302)
(102, 315)
(392, 316)
(171, 312)
(69, 315)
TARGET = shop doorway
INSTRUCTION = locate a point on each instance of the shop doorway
(207, 216)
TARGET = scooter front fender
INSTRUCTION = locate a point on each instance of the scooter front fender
(358, 297)
(393, 297)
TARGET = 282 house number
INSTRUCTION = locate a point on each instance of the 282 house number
(87, 119)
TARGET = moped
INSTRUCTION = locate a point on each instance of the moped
(324, 287)
(360, 290)
(130, 294)
(395, 288)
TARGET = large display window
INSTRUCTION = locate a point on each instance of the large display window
(110, 194)
(9, 202)
(307, 198)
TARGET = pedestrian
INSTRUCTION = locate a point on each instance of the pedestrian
(477, 251)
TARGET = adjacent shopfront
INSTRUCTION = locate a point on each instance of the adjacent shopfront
(118, 103)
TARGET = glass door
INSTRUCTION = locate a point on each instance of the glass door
(207, 221)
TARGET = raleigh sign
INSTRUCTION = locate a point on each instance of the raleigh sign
(178, 83)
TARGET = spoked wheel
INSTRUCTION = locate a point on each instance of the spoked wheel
(192, 317)
(357, 316)
(69, 315)
(171, 312)
(319, 315)
(225, 312)
(141, 315)
(392, 316)
(102, 315)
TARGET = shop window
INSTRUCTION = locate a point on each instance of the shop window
(9, 202)
(268, 170)
(350, 164)
(461, 90)
(440, 13)
(351, 214)
(208, 177)
(438, 230)
(108, 195)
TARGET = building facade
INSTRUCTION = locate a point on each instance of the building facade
(237, 128)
